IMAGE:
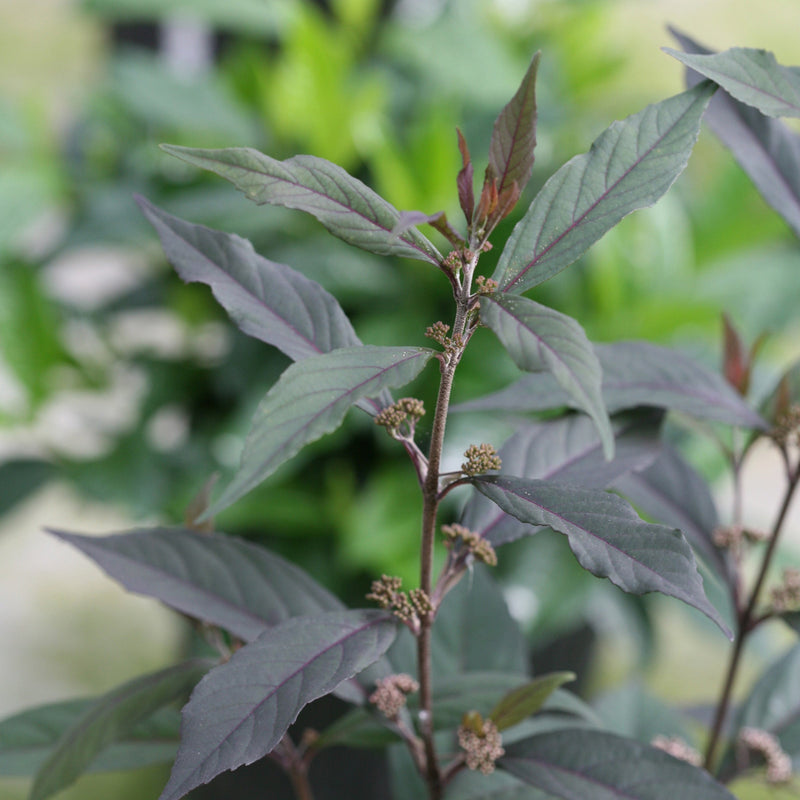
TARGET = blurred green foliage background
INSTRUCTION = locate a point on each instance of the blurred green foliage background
(133, 388)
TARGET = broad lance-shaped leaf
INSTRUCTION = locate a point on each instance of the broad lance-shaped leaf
(219, 579)
(514, 136)
(634, 374)
(539, 338)
(751, 76)
(342, 203)
(311, 399)
(629, 167)
(567, 450)
(766, 149)
(111, 718)
(607, 537)
(525, 700)
(28, 738)
(269, 301)
(586, 764)
(241, 710)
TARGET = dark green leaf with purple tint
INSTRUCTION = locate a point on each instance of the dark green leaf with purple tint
(342, 203)
(240, 711)
(539, 338)
(628, 167)
(607, 537)
(525, 700)
(751, 76)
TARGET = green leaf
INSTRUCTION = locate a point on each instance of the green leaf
(27, 738)
(629, 167)
(514, 135)
(581, 763)
(111, 718)
(539, 338)
(527, 700)
(607, 537)
(635, 374)
(219, 579)
(752, 76)
(567, 450)
(311, 399)
(21, 477)
(343, 204)
(267, 300)
(241, 710)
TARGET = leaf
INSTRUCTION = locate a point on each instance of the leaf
(539, 338)
(222, 580)
(514, 135)
(566, 450)
(111, 718)
(27, 738)
(635, 374)
(527, 700)
(241, 710)
(629, 167)
(766, 149)
(582, 763)
(673, 492)
(343, 204)
(469, 785)
(267, 300)
(607, 537)
(19, 478)
(311, 399)
(752, 76)
(464, 180)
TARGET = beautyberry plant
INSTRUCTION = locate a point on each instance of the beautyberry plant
(437, 673)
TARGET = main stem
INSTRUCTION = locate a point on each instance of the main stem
(745, 624)
(430, 496)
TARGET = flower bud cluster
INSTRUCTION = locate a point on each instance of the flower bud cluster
(779, 765)
(390, 694)
(474, 542)
(438, 332)
(407, 409)
(786, 596)
(481, 742)
(734, 537)
(678, 748)
(408, 607)
(486, 285)
(480, 458)
(787, 426)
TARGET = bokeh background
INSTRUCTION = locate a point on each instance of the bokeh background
(122, 390)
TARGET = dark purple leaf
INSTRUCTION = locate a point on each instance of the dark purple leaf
(343, 204)
(241, 710)
(311, 399)
(539, 339)
(635, 374)
(269, 301)
(607, 537)
(464, 181)
(567, 450)
(586, 764)
(751, 76)
(629, 167)
(111, 718)
(222, 580)
(514, 136)
(766, 149)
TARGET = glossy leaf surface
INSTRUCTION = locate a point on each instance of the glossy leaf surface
(111, 718)
(582, 763)
(311, 399)
(634, 374)
(514, 135)
(267, 300)
(766, 149)
(567, 450)
(219, 579)
(539, 338)
(607, 537)
(629, 167)
(342, 203)
(241, 710)
(751, 76)
(528, 699)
